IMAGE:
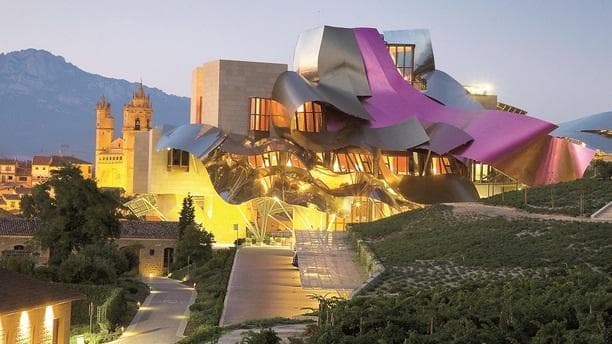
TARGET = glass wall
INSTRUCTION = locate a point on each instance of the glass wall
(309, 118)
(403, 57)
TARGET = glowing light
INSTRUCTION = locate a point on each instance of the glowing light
(482, 89)
(49, 320)
(24, 327)
(276, 198)
(138, 304)
(150, 275)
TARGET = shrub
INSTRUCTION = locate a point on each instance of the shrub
(264, 336)
(23, 264)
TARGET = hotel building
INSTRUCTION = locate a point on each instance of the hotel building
(363, 127)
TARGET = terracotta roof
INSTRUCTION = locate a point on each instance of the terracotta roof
(15, 226)
(4, 161)
(11, 197)
(20, 292)
(56, 160)
(129, 228)
(149, 229)
(41, 160)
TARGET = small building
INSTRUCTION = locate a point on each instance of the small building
(154, 242)
(34, 311)
(43, 165)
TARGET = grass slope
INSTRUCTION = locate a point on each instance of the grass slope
(595, 193)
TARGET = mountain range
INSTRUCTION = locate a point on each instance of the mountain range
(48, 104)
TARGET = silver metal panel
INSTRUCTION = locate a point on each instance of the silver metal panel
(197, 139)
(448, 91)
(292, 90)
(329, 55)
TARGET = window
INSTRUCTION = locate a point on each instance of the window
(151, 252)
(137, 124)
(403, 163)
(260, 112)
(264, 160)
(18, 248)
(403, 57)
(309, 117)
(343, 161)
(168, 257)
(440, 165)
(178, 159)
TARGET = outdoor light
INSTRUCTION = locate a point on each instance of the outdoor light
(138, 304)
(482, 89)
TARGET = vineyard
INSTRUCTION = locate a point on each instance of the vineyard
(580, 197)
(479, 279)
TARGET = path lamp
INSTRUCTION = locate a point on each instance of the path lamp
(236, 229)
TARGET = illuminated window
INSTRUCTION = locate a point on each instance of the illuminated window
(440, 165)
(309, 117)
(403, 57)
(403, 163)
(351, 162)
(178, 159)
(260, 111)
(264, 160)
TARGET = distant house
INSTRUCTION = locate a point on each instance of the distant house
(43, 165)
(154, 242)
(10, 202)
(34, 311)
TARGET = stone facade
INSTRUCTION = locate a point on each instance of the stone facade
(115, 165)
(35, 325)
(221, 91)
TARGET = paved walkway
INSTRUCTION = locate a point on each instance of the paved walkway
(327, 261)
(264, 285)
(479, 209)
(163, 315)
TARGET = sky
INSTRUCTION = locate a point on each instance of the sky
(552, 58)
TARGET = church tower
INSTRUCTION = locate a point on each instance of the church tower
(137, 120)
(105, 125)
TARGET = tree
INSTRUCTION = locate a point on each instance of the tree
(194, 246)
(187, 215)
(94, 264)
(74, 214)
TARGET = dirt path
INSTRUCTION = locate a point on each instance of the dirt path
(479, 209)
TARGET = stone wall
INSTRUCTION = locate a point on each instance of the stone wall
(368, 260)
(36, 325)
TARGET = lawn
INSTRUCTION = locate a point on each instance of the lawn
(561, 198)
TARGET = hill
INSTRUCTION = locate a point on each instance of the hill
(47, 102)
(478, 278)
(560, 198)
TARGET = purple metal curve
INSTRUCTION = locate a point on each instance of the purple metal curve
(495, 133)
